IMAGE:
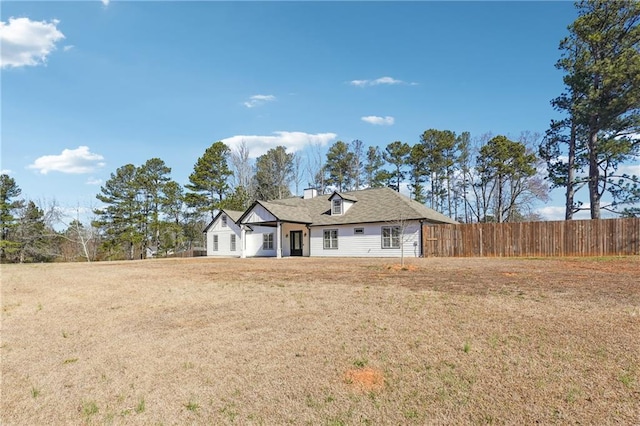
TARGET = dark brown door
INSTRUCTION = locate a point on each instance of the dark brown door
(296, 243)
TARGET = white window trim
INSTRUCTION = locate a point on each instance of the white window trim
(333, 242)
(267, 241)
(336, 203)
(388, 242)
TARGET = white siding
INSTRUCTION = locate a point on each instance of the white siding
(253, 243)
(368, 244)
(259, 214)
(224, 238)
(346, 205)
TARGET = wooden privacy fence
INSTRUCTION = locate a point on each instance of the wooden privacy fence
(604, 237)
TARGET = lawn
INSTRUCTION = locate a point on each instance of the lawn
(322, 342)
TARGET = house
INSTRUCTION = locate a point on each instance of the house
(376, 222)
(225, 236)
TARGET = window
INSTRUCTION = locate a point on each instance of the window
(330, 239)
(233, 243)
(224, 221)
(336, 206)
(358, 231)
(390, 237)
(215, 243)
(267, 241)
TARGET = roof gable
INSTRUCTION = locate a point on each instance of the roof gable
(234, 215)
(257, 213)
(344, 196)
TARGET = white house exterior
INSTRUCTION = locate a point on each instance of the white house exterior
(376, 222)
(225, 237)
(364, 240)
(223, 234)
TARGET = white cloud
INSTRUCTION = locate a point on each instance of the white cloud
(557, 212)
(5, 172)
(378, 81)
(293, 141)
(551, 212)
(257, 100)
(105, 2)
(379, 121)
(74, 161)
(24, 42)
(630, 169)
(94, 181)
(68, 47)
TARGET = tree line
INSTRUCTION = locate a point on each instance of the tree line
(483, 179)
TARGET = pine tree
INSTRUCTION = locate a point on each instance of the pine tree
(8, 191)
(208, 183)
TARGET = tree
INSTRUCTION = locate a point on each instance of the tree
(239, 200)
(8, 190)
(242, 172)
(152, 177)
(83, 237)
(78, 240)
(601, 58)
(464, 167)
(242, 178)
(296, 174)
(316, 168)
(503, 167)
(339, 166)
(396, 154)
(561, 172)
(172, 207)
(273, 174)
(31, 234)
(356, 147)
(375, 176)
(121, 219)
(440, 151)
(417, 161)
(208, 182)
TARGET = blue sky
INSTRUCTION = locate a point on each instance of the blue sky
(90, 86)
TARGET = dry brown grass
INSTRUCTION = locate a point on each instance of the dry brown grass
(322, 341)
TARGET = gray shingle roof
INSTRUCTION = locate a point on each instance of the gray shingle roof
(234, 215)
(370, 205)
(288, 212)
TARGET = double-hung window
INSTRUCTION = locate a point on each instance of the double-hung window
(232, 243)
(330, 239)
(215, 243)
(390, 237)
(224, 221)
(267, 241)
(336, 206)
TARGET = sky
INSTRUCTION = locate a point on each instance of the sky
(89, 86)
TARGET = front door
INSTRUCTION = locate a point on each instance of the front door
(296, 243)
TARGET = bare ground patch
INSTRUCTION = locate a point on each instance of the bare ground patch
(322, 341)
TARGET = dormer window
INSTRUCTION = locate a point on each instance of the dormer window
(336, 206)
(224, 221)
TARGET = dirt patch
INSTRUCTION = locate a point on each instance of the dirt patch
(398, 267)
(365, 379)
